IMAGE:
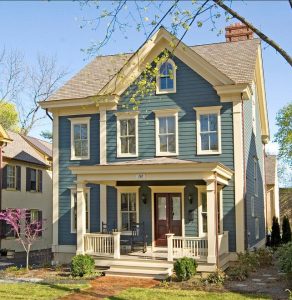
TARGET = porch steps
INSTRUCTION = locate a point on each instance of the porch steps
(136, 268)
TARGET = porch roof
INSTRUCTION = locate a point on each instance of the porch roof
(159, 168)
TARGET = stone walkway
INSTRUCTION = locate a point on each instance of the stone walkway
(107, 286)
(266, 281)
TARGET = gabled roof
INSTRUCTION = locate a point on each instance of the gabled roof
(270, 169)
(235, 60)
(42, 146)
(20, 149)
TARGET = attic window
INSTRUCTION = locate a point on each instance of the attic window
(166, 80)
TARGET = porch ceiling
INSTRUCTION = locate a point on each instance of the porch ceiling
(162, 168)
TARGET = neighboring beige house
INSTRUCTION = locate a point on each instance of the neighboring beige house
(272, 190)
(286, 203)
(27, 183)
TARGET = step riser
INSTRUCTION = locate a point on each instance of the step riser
(121, 267)
(148, 276)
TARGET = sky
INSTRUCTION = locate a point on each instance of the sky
(54, 28)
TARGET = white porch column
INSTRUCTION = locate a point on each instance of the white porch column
(211, 213)
(81, 218)
(102, 151)
(117, 247)
(170, 246)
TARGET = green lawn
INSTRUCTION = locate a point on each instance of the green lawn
(31, 291)
(161, 294)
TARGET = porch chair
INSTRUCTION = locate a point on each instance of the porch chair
(139, 237)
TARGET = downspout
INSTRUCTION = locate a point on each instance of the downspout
(244, 173)
(216, 222)
(47, 113)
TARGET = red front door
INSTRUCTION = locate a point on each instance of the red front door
(167, 216)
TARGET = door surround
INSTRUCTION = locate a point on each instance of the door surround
(167, 189)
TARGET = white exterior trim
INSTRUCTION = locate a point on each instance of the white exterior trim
(166, 91)
(238, 175)
(166, 113)
(206, 111)
(167, 189)
(74, 121)
(55, 213)
(127, 116)
(201, 189)
(121, 190)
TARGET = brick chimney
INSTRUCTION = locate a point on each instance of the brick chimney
(238, 32)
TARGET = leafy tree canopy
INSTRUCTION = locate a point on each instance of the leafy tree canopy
(8, 115)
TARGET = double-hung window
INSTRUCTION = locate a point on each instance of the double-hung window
(208, 130)
(80, 133)
(166, 132)
(127, 134)
(11, 176)
(34, 180)
(166, 79)
(74, 210)
(128, 211)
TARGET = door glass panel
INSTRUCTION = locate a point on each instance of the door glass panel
(175, 208)
(161, 208)
(204, 202)
(205, 222)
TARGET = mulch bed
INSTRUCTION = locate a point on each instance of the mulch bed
(107, 286)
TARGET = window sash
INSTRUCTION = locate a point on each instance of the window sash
(167, 135)
(128, 136)
(166, 76)
(87, 212)
(11, 177)
(80, 139)
(209, 132)
(128, 208)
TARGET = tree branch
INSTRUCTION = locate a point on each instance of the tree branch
(269, 41)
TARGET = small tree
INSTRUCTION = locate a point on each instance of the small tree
(275, 236)
(25, 230)
(286, 231)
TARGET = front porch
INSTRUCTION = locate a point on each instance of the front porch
(168, 212)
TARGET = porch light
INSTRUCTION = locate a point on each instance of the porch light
(190, 199)
(144, 198)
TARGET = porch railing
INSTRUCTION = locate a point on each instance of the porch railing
(102, 244)
(179, 246)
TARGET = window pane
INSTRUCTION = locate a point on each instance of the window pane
(77, 145)
(123, 125)
(164, 69)
(132, 202)
(33, 175)
(163, 143)
(171, 124)
(213, 141)
(205, 223)
(176, 208)
(161, 208)
(133, 218)
(204, 123)
(131, 127)
(204, 202)
(162, 125)
(213, 122)
(171, 143)
(84, 147)
(204, 141)
(169, 83)
(84, 131)
(124, 202)
(163, 83)
(124, 145)
(125, 222)
(76, 132)
(132, 145)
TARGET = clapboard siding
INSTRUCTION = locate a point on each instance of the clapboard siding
(192, 91)
(253, 148)
(67, 180)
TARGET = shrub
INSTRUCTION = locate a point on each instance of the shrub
(185, 268)
(82, 265)
(284, 258)
(264, 257)
(286, 231)
(237, 273)
(249, 260)
(218, 277)
(275, 236)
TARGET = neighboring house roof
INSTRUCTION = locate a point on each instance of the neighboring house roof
(4, 137)
(236, 60)
(270, 169)
(22, 150)
(42, 146)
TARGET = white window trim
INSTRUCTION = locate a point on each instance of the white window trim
(257, 228)
(206, 111)
(255, 177)
(171, 112)
(15, 178)
(252, 204)
(74, 121)
(202, 189)
(121, 190)
(127, 116)
(72, 191)
(168, 91)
